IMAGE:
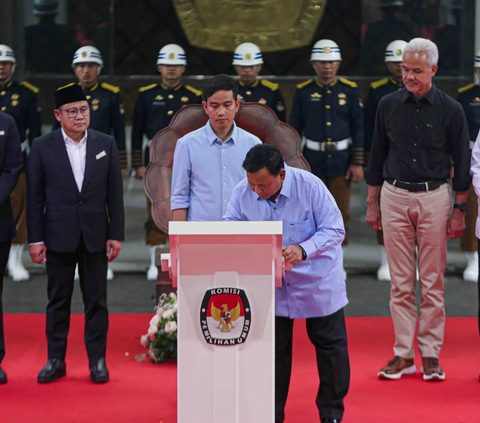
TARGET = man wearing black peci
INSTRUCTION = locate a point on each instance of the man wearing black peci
(75, 216)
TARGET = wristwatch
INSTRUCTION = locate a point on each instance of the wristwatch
(304, 254)
(462, 207)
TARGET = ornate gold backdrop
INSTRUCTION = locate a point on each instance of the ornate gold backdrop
(271, 24)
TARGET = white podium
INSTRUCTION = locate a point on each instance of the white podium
(226, 274)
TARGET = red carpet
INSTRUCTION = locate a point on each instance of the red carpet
(146, 393)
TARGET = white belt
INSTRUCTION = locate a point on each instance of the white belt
(472, 144)
(327, 145)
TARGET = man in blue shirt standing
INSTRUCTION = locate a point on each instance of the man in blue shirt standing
(207, 163)
(314, 289)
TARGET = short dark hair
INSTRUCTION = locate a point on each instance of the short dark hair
(219, 83)
(264, 156)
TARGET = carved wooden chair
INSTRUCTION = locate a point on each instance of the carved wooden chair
(253, 117)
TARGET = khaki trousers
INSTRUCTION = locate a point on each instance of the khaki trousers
(411, 219)
(468, 241)
(340, 189)
(18, 198)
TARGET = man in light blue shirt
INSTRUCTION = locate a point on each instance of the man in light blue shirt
(207, 163)
(314, 289)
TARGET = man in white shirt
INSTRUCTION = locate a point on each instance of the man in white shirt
(75, 216)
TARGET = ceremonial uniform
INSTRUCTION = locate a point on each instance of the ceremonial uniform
(330, 121)
(19, 100)
(106, 115)
(154, 110)
(264, 92)
(469, 98)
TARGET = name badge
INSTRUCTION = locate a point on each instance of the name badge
(100, 155)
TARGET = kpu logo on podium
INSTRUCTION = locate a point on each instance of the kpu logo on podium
(225, 316)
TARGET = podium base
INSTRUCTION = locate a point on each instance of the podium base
(164, 285)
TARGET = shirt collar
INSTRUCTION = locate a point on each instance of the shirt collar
(68, 140)
(253, 85)
(430, 97)
(166, 88)
(93, 88)
(321, 85)
(287, 183)
(211, 137)
(7, 86)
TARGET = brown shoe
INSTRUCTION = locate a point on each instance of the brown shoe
(397, 367)
(431, 369)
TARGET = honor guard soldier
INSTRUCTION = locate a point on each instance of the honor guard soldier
(248, 61)
(469, 98)
(106, 108)
(20, 101)
(48, 45)
(327, 112)
(155, 107)
(379, 89)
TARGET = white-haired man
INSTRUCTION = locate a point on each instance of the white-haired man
(418, 132)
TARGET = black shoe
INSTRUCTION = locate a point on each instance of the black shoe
(331, 421)
(3, 376)
(53, 370)
(98, 371)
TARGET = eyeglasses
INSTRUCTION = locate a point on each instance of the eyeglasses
(72, 113)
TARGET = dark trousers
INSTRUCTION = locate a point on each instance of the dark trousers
(329, 336)
(92, 268)
(4, 251)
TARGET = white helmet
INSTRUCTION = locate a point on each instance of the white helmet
(394, 51)
(172, 54)
(88, 54)
(326, 51)
(45, 7)
(247, 54)
(477, 60)
(7, 55)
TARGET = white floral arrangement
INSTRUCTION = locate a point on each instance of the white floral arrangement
(161, 337)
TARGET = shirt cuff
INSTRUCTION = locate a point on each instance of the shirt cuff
(357, 156)
(309, 247)
(372, 179)
(36, 243)
(179, 202)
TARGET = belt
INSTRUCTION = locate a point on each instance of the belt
(416, 186)
(327, 145)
